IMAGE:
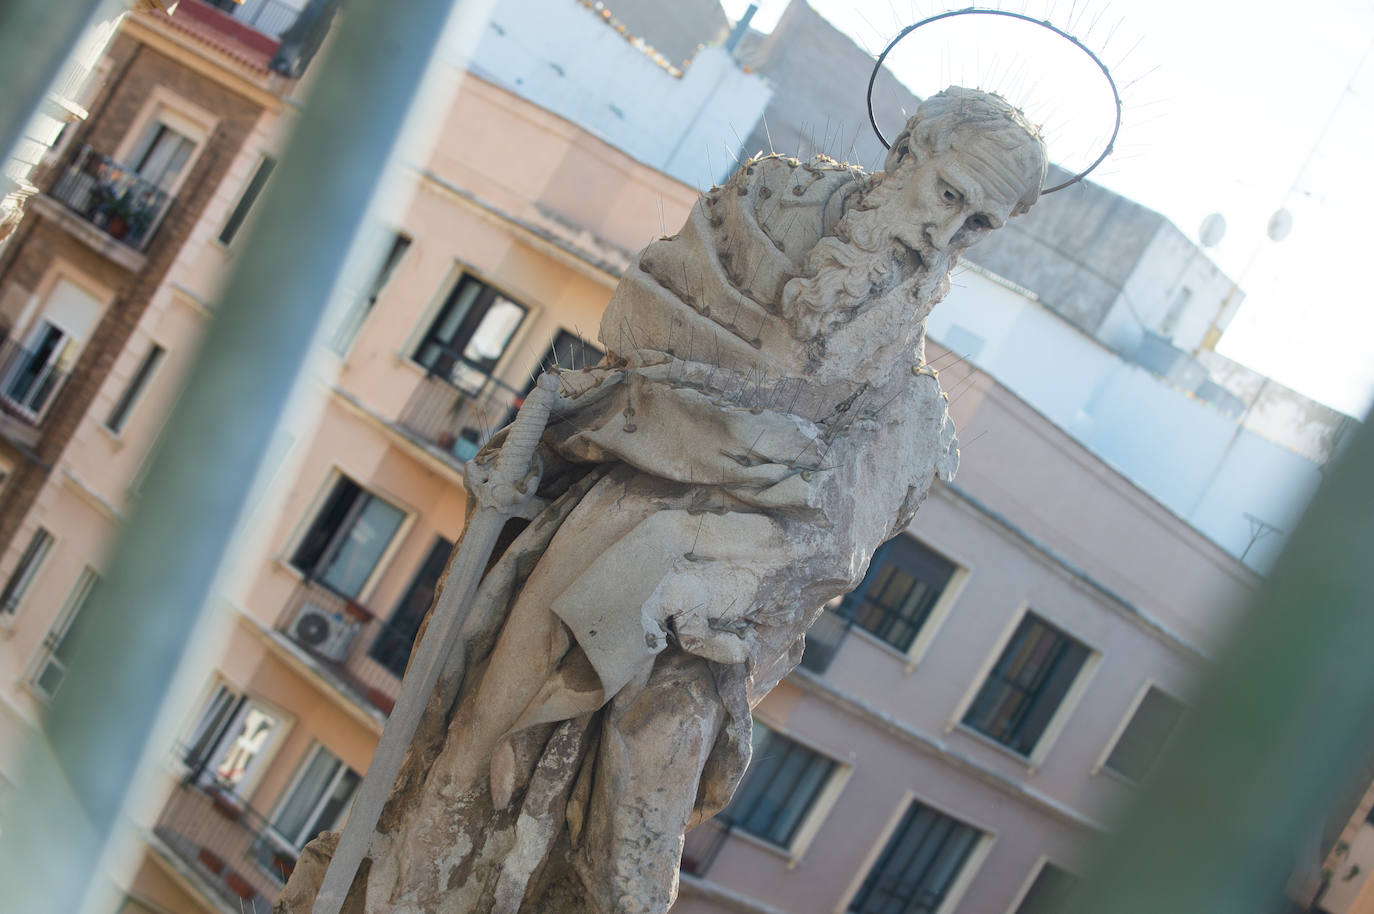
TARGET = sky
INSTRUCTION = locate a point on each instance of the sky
(1229, 107)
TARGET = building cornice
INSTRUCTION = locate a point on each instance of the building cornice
(196, 56)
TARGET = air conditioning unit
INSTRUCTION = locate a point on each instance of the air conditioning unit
(326, 633)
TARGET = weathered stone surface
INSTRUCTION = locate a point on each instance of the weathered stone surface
(762, 422)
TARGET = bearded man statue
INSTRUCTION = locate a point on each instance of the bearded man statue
(762, 422)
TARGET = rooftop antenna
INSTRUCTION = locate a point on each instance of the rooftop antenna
(740, 28)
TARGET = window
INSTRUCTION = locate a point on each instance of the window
(917, 866)
(211, 727)
(1140, 744)
(238, 748)
(904, 581)
(347, 539)
(781, 786)
(120, 414)
(394, 642)
(24, 572)
(52, 343)
(1025, 687)
(470, 334)
(247, 199)
(56, 652)
(1050, 893)
(317, 800)
(161, 154)
(342, 336)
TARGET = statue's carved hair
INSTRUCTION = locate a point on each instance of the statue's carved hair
(957, 116)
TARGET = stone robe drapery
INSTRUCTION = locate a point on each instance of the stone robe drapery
(723, 474)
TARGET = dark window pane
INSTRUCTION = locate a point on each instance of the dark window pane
(395, 641)
(1140, 743)
(918, 865)
(1049, 893)
(1026, 686)
(327, 522)
(120, 413)
(904, 582)
(342, 336)
(247, 199)
(24, 572)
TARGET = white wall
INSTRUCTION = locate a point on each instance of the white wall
(1186, 454)
(563, 57)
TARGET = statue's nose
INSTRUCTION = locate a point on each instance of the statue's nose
(940, 233)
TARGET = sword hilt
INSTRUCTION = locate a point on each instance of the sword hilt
(522, 438)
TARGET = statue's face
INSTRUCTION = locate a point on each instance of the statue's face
(953, 199)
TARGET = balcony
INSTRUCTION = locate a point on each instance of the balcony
(457, 407)
(351, 645)
(227, 847)
(112, 197)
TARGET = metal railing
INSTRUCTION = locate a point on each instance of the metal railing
(339, 634)
(271, 17)
(228, 844)
(29, 378)
(458, 408)
(112, 197)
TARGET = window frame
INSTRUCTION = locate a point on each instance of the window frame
(434, 314)
(133, 391)
(1028, 883)
(969, 868)
(240, 214)
(46, 655)
(310, 516)
(1125, 723)
(1057, 720)
(26, 571)
(297, 776)
(403, 602)
(191, 120)
(822, 800)
(936, 615)
(340, 337)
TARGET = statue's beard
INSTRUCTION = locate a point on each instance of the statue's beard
(861, 263)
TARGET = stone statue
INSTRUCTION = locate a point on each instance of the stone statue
(762, 422)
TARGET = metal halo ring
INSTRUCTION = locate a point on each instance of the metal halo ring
(973, 10)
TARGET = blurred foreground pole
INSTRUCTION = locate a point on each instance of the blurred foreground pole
(1275, 739)
(36, 36)
(166, 560)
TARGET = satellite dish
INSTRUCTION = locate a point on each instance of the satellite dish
(1212, 230)
(1280, 224)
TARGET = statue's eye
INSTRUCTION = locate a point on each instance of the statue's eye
(951, 196)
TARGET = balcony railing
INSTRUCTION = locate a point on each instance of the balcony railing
(112, 197)
(340, 635)
(30, 378)
(823, 640)
(271, 17)
(228, 844)
(458, 408)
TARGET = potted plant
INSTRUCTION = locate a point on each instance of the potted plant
(119, 214)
